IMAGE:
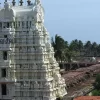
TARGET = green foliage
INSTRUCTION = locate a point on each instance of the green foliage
(97, 82)
(65, 51)
(59, 45)
(96, 93)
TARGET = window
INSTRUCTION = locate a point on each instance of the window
(22, 24)
(30, 23)
(27, 24)
(5, 36)
(3, 72)
(16, 24)
(5, 55)
(4, 89)
(19, 24)
(8, 25)
(0, 25)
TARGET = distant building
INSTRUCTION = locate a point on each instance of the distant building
(28, 69)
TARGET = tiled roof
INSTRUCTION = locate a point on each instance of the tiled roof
(88, 98)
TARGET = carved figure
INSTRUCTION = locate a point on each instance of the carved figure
(36, 85)
(7, 6)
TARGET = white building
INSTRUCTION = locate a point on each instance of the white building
(28, 69)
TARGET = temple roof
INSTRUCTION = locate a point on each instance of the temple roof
(10, 12)
(23, 10)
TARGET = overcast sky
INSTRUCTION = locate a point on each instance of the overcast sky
(73, 19)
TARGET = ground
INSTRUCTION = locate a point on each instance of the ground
(81, 87)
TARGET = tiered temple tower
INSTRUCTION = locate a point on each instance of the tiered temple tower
(28, 68)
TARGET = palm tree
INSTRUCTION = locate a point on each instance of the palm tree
(69, 55)
(87, 48)
(74, 45)
(94, 49)
(98, 50)
(59, 45)
(80, 46)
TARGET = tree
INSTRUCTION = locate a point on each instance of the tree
(87, 48)
(65, 51)
(97, 82)
(98, 50)
(74, 45)
(96, 93)
(94, 49)
(80, 46)
(69, 54)
(59, 45)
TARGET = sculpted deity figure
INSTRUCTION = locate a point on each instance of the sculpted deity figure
(36, 85)
(39, 12)
(47, 85)
(7, 6)
(41, 49)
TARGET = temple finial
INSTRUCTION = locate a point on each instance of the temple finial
(28, 2)
(13, 2)
(5, 1)
(21, 2)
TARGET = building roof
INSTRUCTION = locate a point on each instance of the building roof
(10, 12)
(88, 98)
